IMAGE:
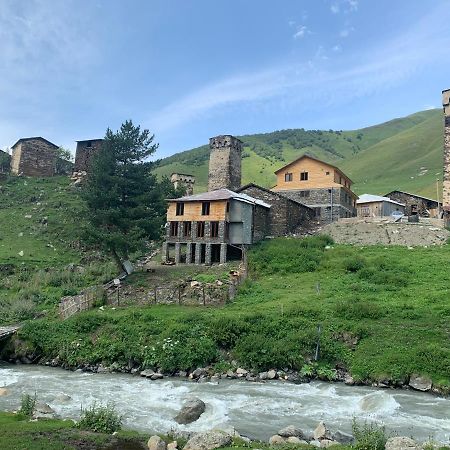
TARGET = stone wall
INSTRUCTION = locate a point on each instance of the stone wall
(261, 223)
(326, 202)
(423, 205)
(34, 157)
(224, 163)
(85, 151)
(285, 215)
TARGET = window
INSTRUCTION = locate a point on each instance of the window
(304, 176)
(200, 229)
(89, 144)
(174, 229)
(214, 229)
(228, 207)
(187, 229)
(304, 194)
(288, 177)
(180, 209)
(340, 180)
(205, 208)
(327, 173)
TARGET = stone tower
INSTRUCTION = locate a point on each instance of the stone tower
(84, 152)
(446, 176)
(224, 163)
(182, 179)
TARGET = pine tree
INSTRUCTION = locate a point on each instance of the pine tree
(126, 204)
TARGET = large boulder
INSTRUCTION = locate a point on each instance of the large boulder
(343, 438)
(190, 411)
(44, 411)
(401, 443)
(291, 431)
(322, 432)
(276, 439)
(420, 383)
(156, 443)
(208, 441)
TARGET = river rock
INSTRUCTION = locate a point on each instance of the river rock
(3, 391)
(156, 443)
(325, 443)
(401, 443)
(271, 374)
(343, 438)
(315, 443)
(241, 372)
(291, 431)
(63, 398)
(276, 440)
(156, 376)
(197, 373)
(263, 376)
(296, 440)
(420, 383)
(172, 445)
(43, 411)
(322, 432)
(208, 441)
(147, 373)
(190, 411)
(348, 380)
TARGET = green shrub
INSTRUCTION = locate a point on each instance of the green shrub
(27, 405)
(356, 309)
(369, 436)
(354, 263)
(100, 419)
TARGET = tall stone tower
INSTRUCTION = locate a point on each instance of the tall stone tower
(446, 177)
(224, 163)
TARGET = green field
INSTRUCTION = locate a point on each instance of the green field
(405, 154)
(384, 314)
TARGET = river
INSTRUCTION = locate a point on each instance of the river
(257, 410)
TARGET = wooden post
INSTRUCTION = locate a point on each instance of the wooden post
(179, 294)
(204, 298)
(156, 300)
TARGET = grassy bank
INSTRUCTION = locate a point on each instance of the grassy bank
(383, 312)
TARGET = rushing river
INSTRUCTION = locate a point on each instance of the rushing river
(257, 410)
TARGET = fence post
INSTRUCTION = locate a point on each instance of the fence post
(204, 299)
(156, 299)
(179, 295)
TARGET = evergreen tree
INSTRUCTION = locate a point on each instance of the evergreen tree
(126, 204)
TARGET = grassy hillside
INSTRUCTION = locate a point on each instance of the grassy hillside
(384, 315)
(401, 154)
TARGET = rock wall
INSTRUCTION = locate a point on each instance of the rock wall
(224, 163)
(85, 151)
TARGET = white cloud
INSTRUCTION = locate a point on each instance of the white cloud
(336, 48)
(335, 8)
(381, 67)
(301, 32)
(352, 5)
(346, 32)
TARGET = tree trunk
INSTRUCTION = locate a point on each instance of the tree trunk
(118, 261)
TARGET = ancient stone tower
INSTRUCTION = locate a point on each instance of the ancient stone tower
(182, 179)
(446, 177)
(85, 151)
(224, 163)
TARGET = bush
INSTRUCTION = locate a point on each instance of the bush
(356, 309)
(27, 405)
(369, 436)
(354, 264)
(100, 419)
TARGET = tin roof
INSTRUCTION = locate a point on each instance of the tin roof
(369, 198)
(413, 195)
(220, 194)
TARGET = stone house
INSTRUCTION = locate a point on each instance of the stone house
(34, 157)
(183, 180)
(84, 152)
(319, 185)
(212, 226)
(286, 215)
(376, 206)
(416, 204)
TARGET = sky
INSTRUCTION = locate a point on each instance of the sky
(191, 69)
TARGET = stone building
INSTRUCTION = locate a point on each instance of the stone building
(286, 215)
(446, 178)
(416, 204)
(84, 152)
(5, 162)
(212, 226)
(183, 180)
(34, 157)
(224, 163)
(319, 185)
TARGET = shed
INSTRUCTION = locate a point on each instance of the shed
(369, 205)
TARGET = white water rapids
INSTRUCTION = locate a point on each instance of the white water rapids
(257, 410)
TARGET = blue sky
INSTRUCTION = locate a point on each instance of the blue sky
(188, 70)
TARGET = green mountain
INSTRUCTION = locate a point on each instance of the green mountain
(403, 153)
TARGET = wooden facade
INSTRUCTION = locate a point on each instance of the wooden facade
(193, 211)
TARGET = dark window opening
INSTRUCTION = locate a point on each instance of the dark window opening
(205, 208)
(187, 228)
(89, 144)
(304, 194)
(228, 207)
(174, 229)
(180, 209)
(304, 176)
(288, 177)
(214, 229)
(327, 173)
(200, 229)
(227, 230)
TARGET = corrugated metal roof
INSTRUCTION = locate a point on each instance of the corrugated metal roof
(220, 194)
(369, 198)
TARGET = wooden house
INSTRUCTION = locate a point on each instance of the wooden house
(319, 185)
(376, 206)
